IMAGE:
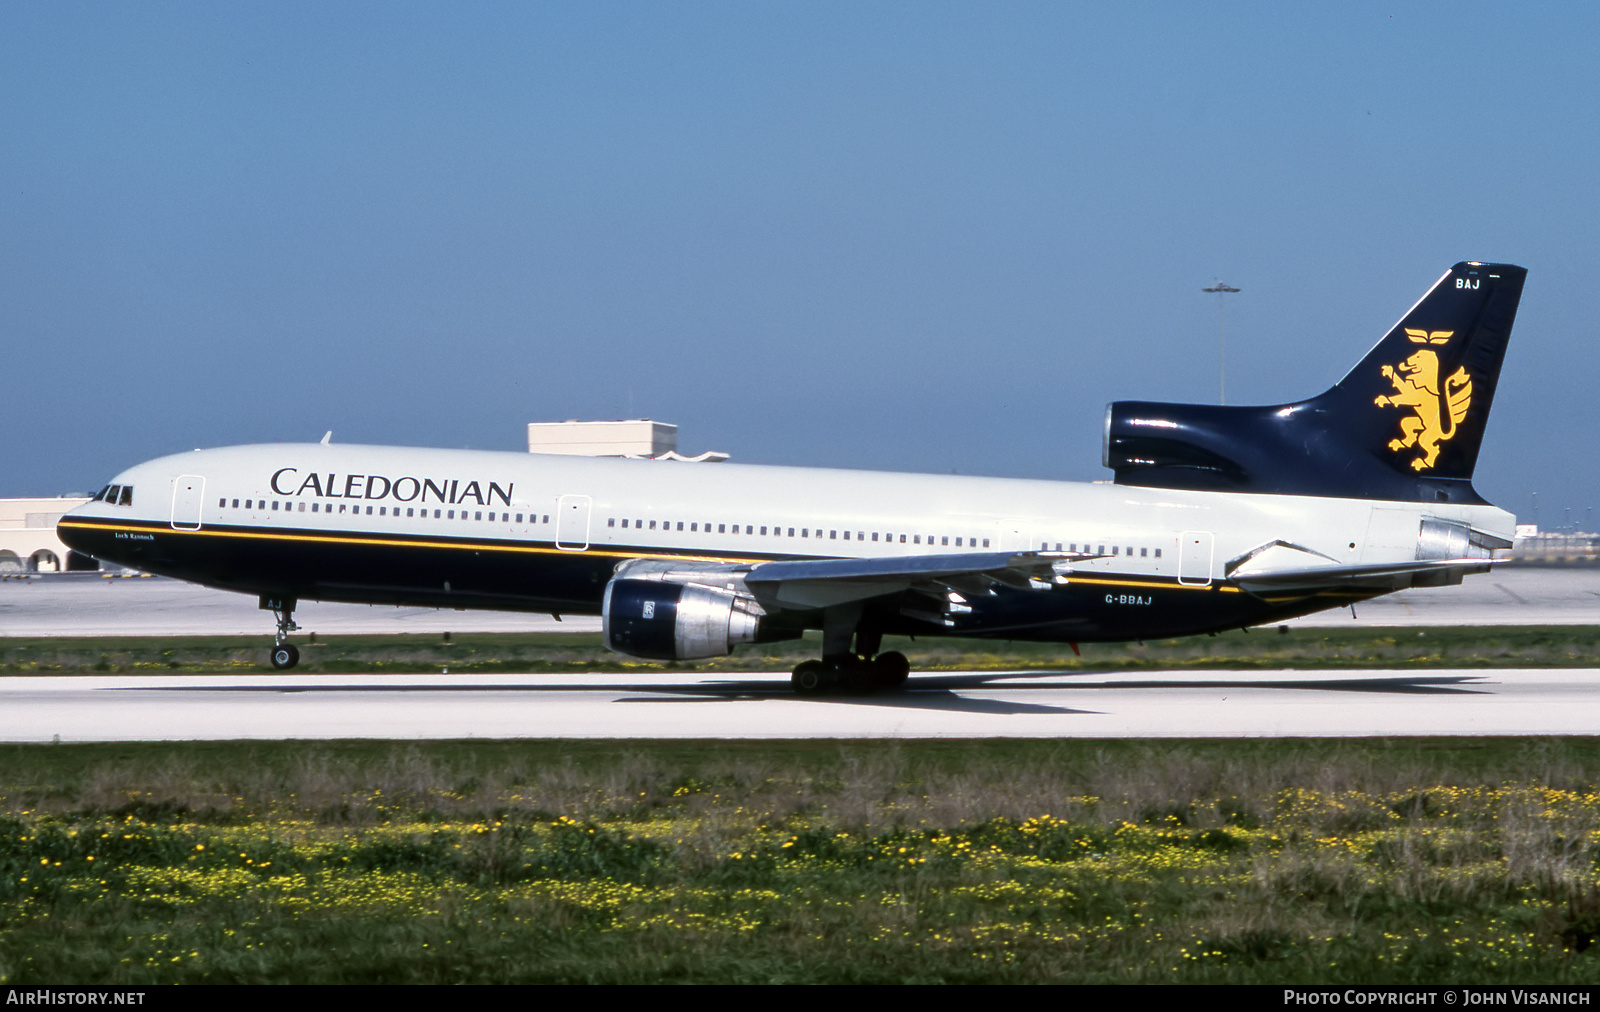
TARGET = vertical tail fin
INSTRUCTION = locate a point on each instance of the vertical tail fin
(1405, 424)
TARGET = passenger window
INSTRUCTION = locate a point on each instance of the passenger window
(694, 528)
(1158, 553)
(680, 525)
(944, 541)
(722, 528)
(221, 504)
(763, 530)
(791, 532)
(313, 507)
(236, 504)
(369, 511)
(1143, 552)
(874, 535)
(986, 542)
(302, 507)
(409, 509)
(902, 539)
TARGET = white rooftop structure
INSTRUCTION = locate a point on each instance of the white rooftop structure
(633, 437)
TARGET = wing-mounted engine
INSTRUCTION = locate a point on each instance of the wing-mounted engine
(674, 612)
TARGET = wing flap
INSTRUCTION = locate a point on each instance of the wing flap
(820, 583)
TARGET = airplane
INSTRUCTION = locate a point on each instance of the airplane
(1218, 517)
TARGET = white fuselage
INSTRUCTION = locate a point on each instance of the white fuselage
(730, 512)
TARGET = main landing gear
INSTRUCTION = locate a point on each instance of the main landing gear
(859, 669)
(853, 674)
(284, 654)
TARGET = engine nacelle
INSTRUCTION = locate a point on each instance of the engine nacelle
(676, 621)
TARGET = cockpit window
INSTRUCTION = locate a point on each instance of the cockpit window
(127, 496)
(100, 495)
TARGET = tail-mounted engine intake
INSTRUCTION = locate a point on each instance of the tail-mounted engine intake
(1404, 425)
(676, 621)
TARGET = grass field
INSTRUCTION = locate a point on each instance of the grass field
(1365, 861)
(1507, 646)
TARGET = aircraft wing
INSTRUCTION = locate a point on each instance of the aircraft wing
(820, 583)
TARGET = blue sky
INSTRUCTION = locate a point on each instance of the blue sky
(917, 236)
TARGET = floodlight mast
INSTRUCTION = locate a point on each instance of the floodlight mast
(1221, 288)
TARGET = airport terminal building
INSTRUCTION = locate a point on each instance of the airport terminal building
(28, 542)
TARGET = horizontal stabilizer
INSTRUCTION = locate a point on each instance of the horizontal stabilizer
(1379, 575)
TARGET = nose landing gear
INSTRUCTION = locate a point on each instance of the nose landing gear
(284, 654)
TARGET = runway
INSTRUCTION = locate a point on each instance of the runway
(1185, 704)
(761, 705)
(89, 604)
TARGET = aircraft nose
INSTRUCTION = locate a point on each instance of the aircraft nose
(84, 530)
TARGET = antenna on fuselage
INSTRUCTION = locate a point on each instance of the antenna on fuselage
(327, 437)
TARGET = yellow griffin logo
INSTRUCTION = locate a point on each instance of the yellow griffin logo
(1416, 386)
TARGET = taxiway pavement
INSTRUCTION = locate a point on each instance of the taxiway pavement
(1163, 704)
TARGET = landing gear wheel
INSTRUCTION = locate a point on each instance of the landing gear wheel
(860, 677)
(893, 669)
(284, 653)
(810, 678)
